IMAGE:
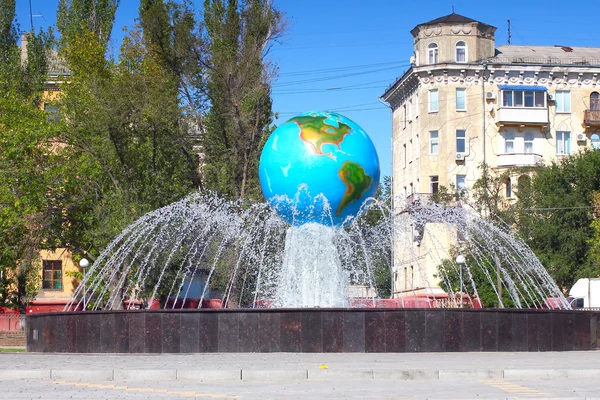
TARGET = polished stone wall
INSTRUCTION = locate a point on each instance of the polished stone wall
(312, 330)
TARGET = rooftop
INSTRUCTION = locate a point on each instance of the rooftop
(554, 55)
(450, 18)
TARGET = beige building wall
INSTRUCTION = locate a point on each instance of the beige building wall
(532, 133)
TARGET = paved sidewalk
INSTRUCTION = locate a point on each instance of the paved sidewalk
(298, 367)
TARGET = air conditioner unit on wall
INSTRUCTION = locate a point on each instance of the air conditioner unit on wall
(490, 95)
(581, 137)
(550, 97)
(460, 156)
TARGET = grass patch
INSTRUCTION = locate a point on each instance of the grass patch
(12, 350)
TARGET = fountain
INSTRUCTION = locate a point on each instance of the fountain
(285, 274)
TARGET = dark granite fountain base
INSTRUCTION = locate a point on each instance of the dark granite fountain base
(312, 330)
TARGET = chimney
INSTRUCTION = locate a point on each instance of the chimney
(24, 41)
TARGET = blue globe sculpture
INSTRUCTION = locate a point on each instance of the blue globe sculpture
(318, 167)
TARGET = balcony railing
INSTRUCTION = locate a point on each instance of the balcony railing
(518, 159)
(592, 117)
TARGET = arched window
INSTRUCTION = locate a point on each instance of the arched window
(595, 101)
(508, 188)
(461, 52)
(523, 183)
(529, 143)
(433, 53)
(509, 143)
(595, 141)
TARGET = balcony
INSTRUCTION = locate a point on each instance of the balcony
(592, 117)
(522, 116)
(519, 159)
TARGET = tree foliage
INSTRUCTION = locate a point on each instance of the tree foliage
(238, 37)
(27, 170)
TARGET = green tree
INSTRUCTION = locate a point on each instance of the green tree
(26, 169)
(560, 225)
(238, 36)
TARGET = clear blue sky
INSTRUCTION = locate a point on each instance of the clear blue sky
(340, 55)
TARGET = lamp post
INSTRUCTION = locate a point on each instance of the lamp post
(460, 260)
(84, 263)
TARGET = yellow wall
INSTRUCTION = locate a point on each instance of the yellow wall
(69, 284)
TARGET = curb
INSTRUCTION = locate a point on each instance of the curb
(330, 374)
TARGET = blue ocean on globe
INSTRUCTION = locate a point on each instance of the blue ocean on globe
(319, 166)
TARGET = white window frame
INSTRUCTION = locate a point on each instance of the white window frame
(434, 139)
(595, 139)
(528, 143)
(460, 178)
(509, 137)
(462, 46)
(434, 181)
(433, 53)
(562, 100)
(563, 143)
(462, 138)
(464, 98)
(518, 98)
(431, 103)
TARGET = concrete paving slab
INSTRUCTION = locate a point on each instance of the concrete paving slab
(340, 374)
(86, 374)
(274, 375)
(209, 375)
(145, 374)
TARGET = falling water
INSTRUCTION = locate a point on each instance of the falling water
(205, 247)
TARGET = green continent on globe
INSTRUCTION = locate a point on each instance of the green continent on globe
(356, 181)
(317, 133)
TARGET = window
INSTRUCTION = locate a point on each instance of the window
(524, 98)
(432, 53)
(595, 101)
(412, 189)
(405, 158)
(509, 143)
(410, 150)
(433, 101)
(508, 188)
(461, 139)
(434, 184)
(52, 274)
(523, 183)
(52, 111)
(409, 110)
(461, 52)
(461, 99)
(563, 143)
(528, 143)
(595, 141)
(433, 142)
(461, 183)
(563, 101)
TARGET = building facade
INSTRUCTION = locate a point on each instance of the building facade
(465, 101)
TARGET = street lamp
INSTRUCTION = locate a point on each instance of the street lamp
(84, 263)
(460, 260)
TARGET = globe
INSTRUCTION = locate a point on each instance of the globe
(318, 167)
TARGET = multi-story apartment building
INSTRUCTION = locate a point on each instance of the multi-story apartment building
(464, 102)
